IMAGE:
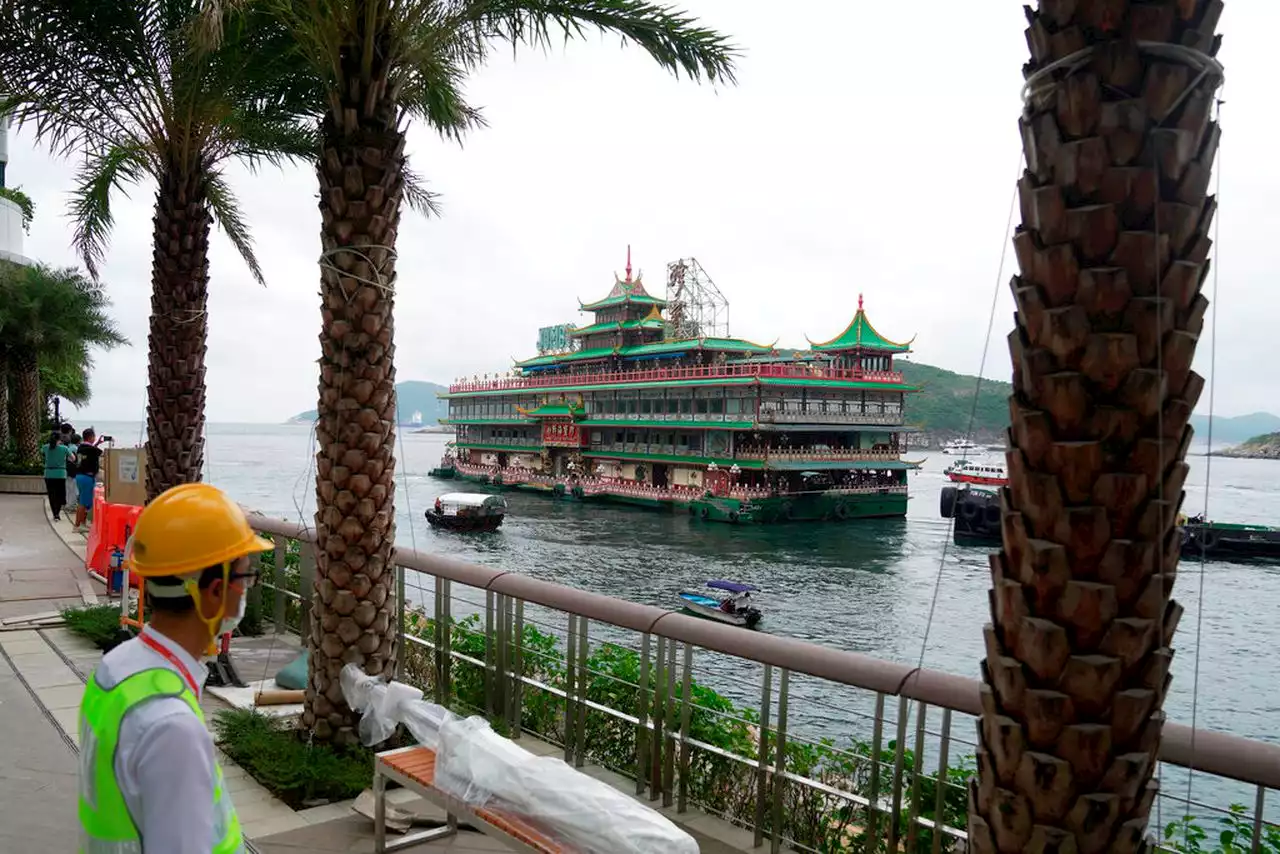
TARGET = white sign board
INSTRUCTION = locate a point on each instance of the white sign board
(127, 468)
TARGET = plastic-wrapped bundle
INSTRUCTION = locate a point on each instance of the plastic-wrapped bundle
(481, 768)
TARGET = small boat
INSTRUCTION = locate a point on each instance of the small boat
(468, 511)
(983, 474)
(1228, 540)
(961, 447)
(729, 603)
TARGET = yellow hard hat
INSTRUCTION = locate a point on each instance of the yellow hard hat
(189, 528)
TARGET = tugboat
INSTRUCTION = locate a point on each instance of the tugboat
(468, 511)
(976, 511)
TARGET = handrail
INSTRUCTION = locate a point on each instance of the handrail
(726, 371)
(1218, 753)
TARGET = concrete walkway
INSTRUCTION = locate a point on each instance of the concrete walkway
(38, 573)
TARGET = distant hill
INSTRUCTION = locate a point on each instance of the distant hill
(1264, 447)
(412, 396)
(1241, 428)
(945, 401)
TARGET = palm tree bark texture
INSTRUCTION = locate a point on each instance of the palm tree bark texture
(361, 173)
(1113, 250)
(179, 330)
(27, 406)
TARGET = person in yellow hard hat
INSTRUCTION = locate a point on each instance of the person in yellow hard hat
(149, 783)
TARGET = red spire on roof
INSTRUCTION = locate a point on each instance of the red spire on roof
(859, 302)
(628, 262)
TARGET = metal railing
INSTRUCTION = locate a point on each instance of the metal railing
(819, 454)
(703, 372)
(782, 416)
(538, 656)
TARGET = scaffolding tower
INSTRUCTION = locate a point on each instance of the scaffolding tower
(695, 306)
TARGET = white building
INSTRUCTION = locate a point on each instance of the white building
(11, 232)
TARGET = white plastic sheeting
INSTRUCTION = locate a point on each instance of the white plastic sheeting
(481, 768)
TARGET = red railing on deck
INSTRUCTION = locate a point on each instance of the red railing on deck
(784, 371)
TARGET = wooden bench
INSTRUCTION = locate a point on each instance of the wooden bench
(414, 768)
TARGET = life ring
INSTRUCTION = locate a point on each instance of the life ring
(842, 512)
(733, 516)
(704, 512)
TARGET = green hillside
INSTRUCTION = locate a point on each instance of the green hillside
(946, 399)
(412, 396)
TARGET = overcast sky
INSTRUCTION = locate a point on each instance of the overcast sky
(868, 147)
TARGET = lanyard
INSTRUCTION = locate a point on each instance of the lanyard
(172, 659)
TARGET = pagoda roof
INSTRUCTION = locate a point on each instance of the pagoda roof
(861, 335)
(624, 291)
(563, 409)
(615, 326)
(640, 351)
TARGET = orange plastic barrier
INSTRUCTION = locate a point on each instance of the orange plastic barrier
(112, 524)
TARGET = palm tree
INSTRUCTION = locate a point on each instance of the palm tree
(52, 317)
(148, 98)
(383, 63)
(1119, 144)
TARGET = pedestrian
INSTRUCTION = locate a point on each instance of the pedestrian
(69, 437)
(88, 459)
(149, 781)
(57, 458)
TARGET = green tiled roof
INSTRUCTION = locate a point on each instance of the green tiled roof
(646, 323)
(860, 334)
(555, 410)
(624, 291)
(735, 345)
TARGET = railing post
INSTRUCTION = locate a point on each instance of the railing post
(306, 585)
(443, 617)
(642, 716)
(400, 614)
(278, 575)
(917, 770)
(517, 683)
(940, 782)
(570, 681)
(659, 704)
(686, 710)
(669, 715)
(490, 658)
(762, 759)
(873, 795)
(584, 683)
(898, 761)
(780, 764)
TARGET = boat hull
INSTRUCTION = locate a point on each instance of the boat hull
(956, 477)
(809, 507)
(464, 523)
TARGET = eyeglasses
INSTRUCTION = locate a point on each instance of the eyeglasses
(250, 578)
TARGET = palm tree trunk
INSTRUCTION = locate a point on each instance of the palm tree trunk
(26, 406)
(179, 331)
(4, 402)
(361, 173)
(1112, 251)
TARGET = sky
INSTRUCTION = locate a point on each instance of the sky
(867, 148)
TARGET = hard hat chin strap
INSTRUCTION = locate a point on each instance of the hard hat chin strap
(192, 587)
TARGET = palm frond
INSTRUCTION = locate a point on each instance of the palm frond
(673, 38)
(226, 210)
(418, 197)
(102, 174)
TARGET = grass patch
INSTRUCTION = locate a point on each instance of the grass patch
(275, 755)
(98, 624)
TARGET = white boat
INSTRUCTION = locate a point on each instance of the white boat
(729, 603)
(961, 447)
(982, 474)
(416, 420)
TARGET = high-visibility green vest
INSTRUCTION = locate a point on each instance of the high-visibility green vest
(106, 827)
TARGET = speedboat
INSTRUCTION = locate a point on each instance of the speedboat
(468, 511)
(728, 602)
(960, 447)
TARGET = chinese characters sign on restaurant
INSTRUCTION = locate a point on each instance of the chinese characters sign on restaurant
(564, 434)
(555, 339)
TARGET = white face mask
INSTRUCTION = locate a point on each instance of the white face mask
(229, 623)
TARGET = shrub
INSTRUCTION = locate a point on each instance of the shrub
(276, 755)
(98, 624)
